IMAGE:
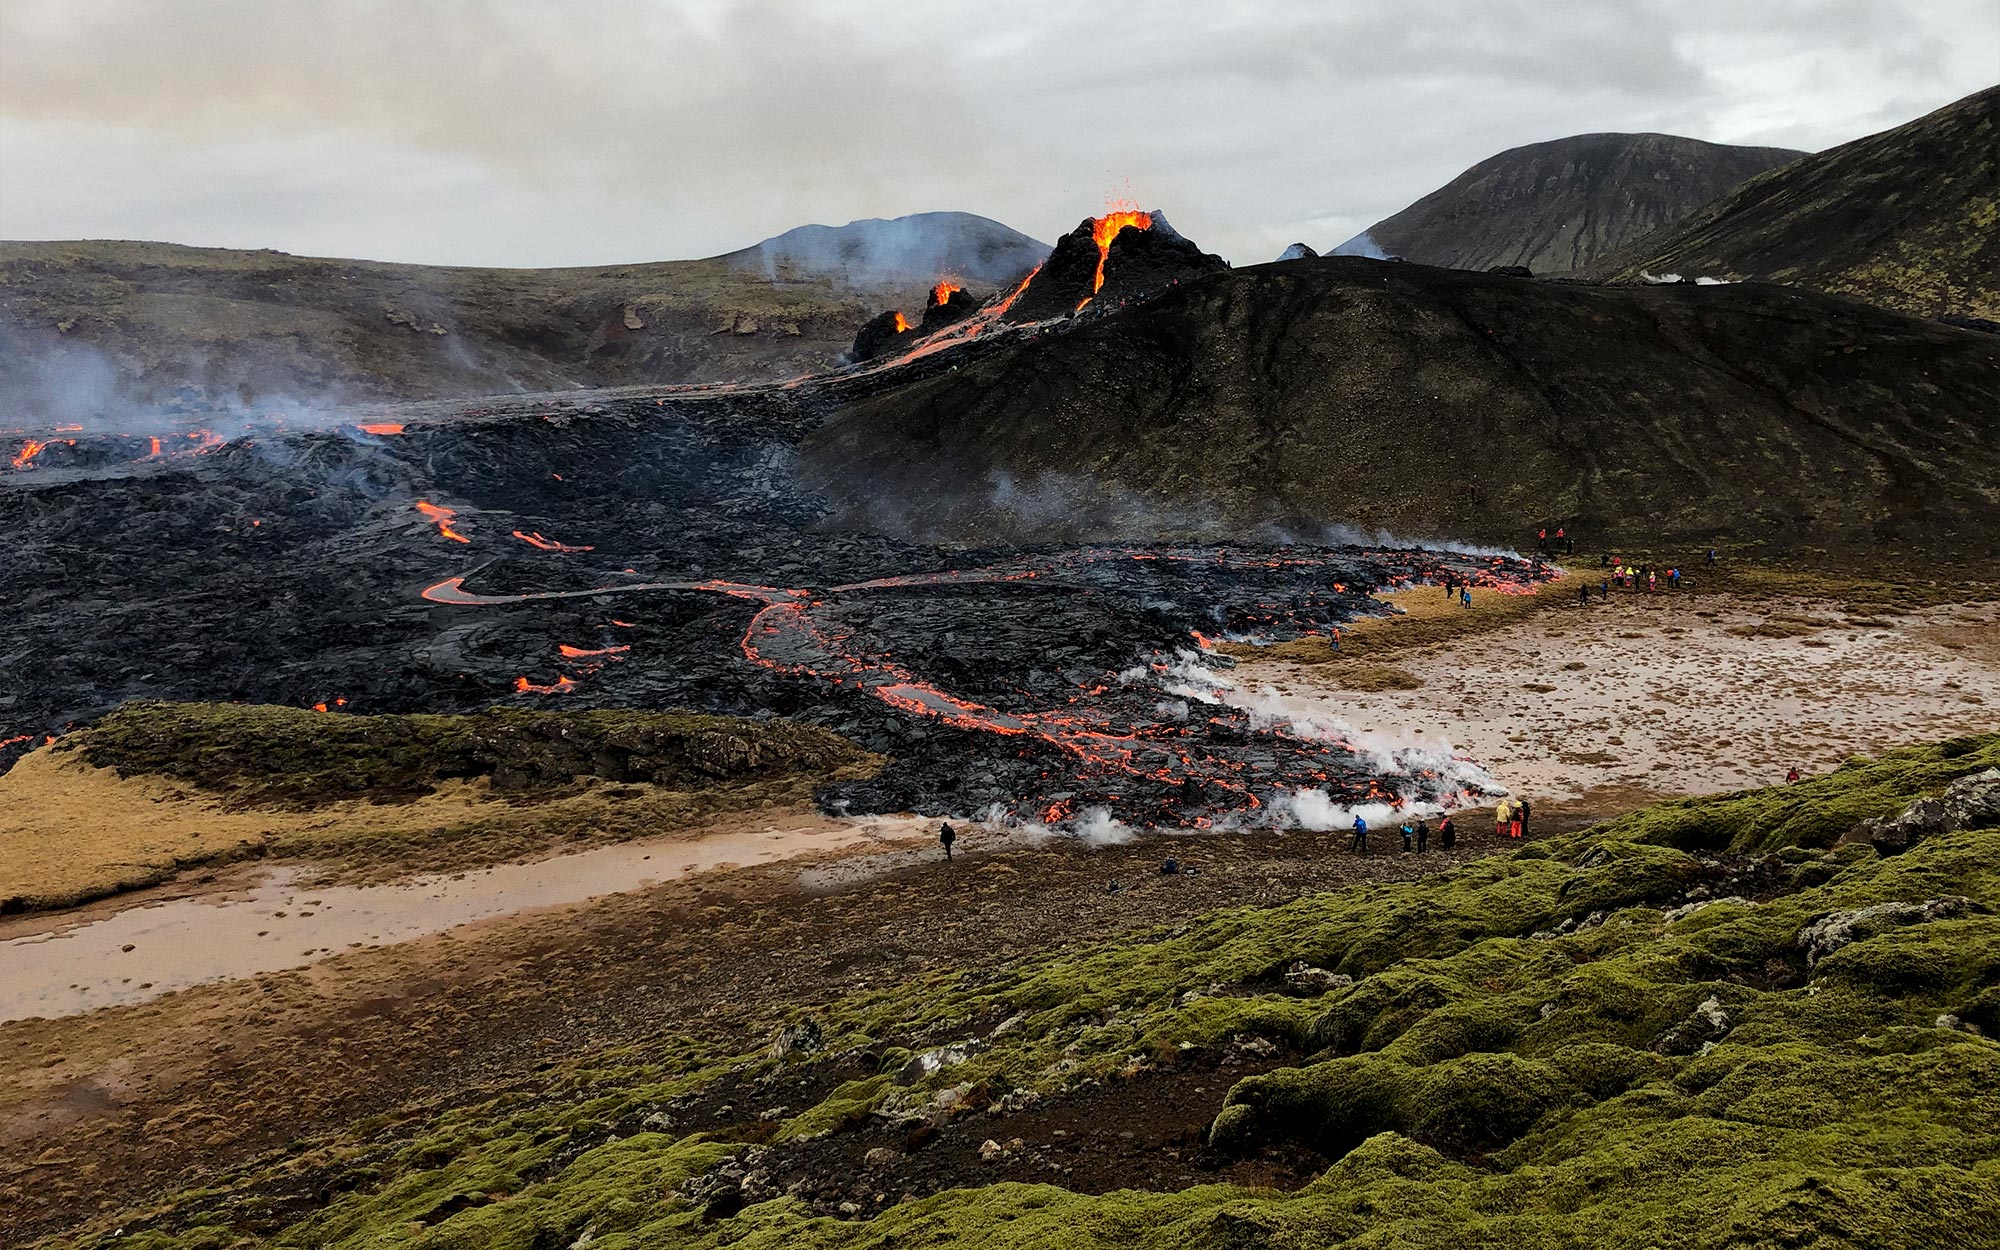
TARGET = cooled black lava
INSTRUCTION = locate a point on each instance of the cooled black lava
(640, 553)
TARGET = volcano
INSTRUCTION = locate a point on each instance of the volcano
(1122, 257)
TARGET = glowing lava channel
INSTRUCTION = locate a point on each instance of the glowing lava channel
(783, 636)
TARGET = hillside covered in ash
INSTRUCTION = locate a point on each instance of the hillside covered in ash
(1554, 207)
(1908, 218)
(1344, 391)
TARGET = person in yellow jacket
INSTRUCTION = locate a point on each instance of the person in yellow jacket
(1502, 813)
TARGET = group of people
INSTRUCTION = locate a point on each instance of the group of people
(1416, 837)
(1563, 542)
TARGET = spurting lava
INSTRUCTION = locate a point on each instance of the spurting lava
(1104, 229)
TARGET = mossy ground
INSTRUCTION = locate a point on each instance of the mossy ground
(1531, 1053)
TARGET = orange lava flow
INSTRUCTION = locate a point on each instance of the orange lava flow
(943, 291)
(381, 427)
(26, 456)
(1015, 294)
(536, 539)
(561, 684)
(902, 323)
(442, 517)
(577, 653)
(1106, 228)
(154, 454)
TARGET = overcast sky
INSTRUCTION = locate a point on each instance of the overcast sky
(518, 132)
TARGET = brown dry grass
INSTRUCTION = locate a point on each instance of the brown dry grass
(70, 833)
(1428, 617)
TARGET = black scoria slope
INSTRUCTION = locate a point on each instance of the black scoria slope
(1431, 401)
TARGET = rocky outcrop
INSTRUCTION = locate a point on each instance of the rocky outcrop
(1840, 929)
(1968, 803)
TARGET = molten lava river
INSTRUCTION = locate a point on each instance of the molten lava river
(660, 552)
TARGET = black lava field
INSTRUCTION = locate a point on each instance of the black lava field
(657, 552)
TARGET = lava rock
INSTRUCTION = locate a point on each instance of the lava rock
(879, 335)
(1840, 929)
(1298, 251)
(1140, 261)
(1967, 803)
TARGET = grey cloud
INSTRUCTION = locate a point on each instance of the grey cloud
(514, 132)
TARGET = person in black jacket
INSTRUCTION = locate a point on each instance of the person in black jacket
(946, 836)
(1447, 834)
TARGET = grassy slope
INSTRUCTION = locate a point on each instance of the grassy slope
(257, 327)
(1484, 1082)
(154, 789)
(1908, 218)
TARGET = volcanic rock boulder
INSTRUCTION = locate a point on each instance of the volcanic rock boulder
(1297, 251)
(948, 303)
(1120, 258)
(879, 335)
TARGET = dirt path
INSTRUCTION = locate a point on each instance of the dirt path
(1667, 695)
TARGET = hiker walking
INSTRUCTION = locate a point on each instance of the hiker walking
(1359, 842)
(1711, 556)
(946, 836)
(1542, 538)
(1447, 833)
(1423, 837)
(1583, 595)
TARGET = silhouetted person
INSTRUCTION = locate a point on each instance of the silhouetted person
(1423, 836)
(1521, 812)
(946, 836)
(1447, 834)
(1359, 842)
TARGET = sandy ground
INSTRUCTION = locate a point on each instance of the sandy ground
(1671, 695)
(1594, 712)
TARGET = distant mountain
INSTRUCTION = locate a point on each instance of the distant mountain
(1556, 206)
(919, 248)
(1908, 218)
(99, 328)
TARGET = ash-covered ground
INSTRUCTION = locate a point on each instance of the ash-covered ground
(658, 552)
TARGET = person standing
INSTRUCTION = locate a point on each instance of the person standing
(1521, 812)
(1447, 833)
(1503, 811)
(1359, 842)
(1409, 836)
(946, 836)
(1423, 837)
(1465, 597)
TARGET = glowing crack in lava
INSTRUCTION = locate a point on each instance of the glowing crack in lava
(381, 427)
(26, 456)
(1221, 754)
(536, 539)
(441, 517)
